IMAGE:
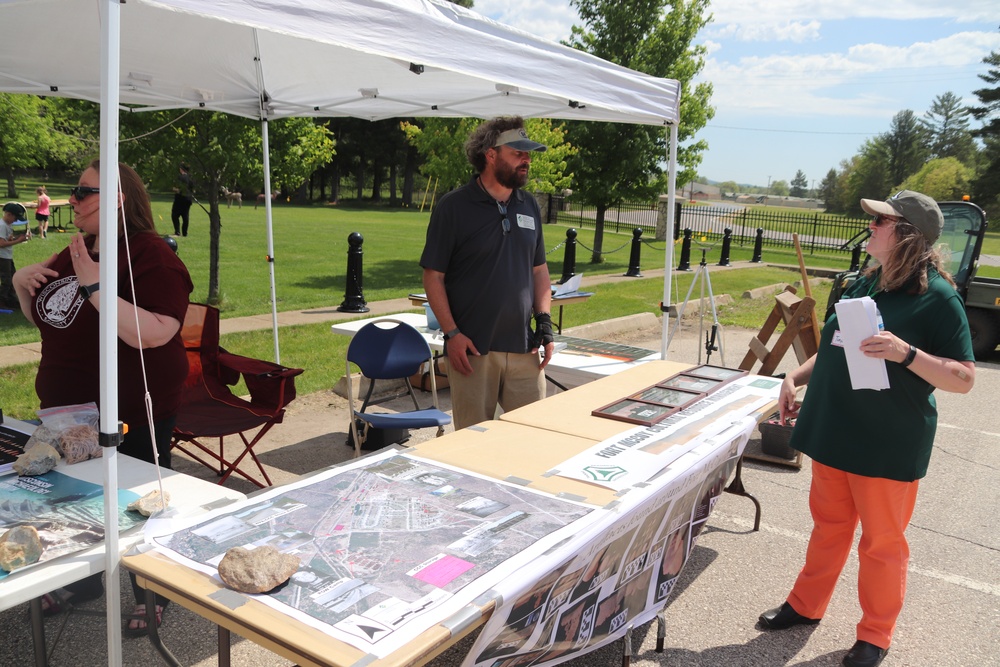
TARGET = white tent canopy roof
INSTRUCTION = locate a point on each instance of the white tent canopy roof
(323, 58)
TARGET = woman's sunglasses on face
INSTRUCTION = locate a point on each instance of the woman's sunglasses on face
(80, 192)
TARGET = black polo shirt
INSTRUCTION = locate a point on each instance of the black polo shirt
(488, 273)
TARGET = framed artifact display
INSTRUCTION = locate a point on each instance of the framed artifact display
(635, 412)
(666, 396)
(692, 383)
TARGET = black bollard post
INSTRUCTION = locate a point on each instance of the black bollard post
(855, 258)
(758, 244)
(633, 260)
(685, 264)
(727, 242)
(677, 220)
(569, 257)
(354, 298)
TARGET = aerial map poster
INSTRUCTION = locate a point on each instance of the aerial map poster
(389, 545)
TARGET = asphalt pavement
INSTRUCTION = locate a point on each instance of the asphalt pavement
(951, 617)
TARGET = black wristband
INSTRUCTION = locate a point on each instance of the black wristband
(451, 334)
(910, 356)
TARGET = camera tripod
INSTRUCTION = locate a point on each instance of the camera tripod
(713, 342)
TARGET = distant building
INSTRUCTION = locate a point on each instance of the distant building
(703, 192)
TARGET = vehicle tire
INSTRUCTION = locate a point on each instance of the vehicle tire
(985, 329)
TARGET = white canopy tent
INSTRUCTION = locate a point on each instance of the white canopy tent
(268, 59)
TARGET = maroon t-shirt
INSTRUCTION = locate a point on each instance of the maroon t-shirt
(69, 372)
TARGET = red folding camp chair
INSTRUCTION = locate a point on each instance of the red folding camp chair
(209, 409)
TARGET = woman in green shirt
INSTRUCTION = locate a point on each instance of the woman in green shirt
(869, 448)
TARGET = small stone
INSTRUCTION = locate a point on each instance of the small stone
(19, 546)
(37, 461)
(150, 503)
(258, 570)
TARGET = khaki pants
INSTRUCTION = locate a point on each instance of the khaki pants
(498, 378)
(837, 501)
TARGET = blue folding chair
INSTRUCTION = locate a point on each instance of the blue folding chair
(390, 350)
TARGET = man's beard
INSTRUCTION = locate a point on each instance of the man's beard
(509, 177)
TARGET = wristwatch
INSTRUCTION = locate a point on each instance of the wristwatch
(86, 291)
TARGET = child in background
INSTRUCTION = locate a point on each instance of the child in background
(12, 212)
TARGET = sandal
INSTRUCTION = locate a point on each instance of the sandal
(56, 602)
(136, 626)
(62, 600)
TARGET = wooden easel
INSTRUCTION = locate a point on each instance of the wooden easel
(798, 315)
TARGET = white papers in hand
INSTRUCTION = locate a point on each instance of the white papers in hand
(858, 320)
(568, 287)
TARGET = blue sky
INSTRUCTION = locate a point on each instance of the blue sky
(800, 84)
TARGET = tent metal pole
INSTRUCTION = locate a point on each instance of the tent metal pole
(668, 271)
(108, 302)
(270, 236)
(266, 146)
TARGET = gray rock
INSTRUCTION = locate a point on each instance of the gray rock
(150, 503)
(37, 461)
(19, 546)
(258, 570)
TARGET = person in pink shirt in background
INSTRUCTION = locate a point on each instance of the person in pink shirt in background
(42, 211)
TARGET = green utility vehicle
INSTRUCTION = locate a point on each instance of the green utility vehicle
(964, 229)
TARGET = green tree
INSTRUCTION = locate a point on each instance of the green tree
(947, 123)
(944, 179)
(828, 191)
(27, 136)
(616, 161)
(868, 176)
(905, 145)
(221, 150)
(778, 189)
(441, 143)
(800, 184)
(987, 184)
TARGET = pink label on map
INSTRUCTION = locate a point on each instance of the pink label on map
(443, 571)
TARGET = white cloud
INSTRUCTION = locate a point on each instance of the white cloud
(865, 80)
(549, 19)
(789, 31)
(782, 11)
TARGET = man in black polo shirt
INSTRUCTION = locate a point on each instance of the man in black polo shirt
(485, 276)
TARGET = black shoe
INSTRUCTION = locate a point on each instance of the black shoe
(783, 617)
(863, 654)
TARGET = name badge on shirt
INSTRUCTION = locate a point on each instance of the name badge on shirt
(838, 340)
(525, 221)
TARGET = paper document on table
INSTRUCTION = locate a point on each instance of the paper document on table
(858, 320)
(568, 287)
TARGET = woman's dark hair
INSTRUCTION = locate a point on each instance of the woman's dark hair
(135, 214)
(485, 137)
(908, 261)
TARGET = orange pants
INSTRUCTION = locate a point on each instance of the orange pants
(837, 501)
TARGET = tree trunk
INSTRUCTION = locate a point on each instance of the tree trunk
(378, 177)
(335, 182)
(360, 178)
(409, 168)
(11, 186)
(598, 257)
(393, 175)
(214, 233)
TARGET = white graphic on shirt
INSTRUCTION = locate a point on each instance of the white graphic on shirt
(59, 302)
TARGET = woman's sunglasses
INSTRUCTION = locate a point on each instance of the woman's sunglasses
(80, 192)
(880, 219)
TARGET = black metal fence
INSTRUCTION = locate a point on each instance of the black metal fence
(816, 231)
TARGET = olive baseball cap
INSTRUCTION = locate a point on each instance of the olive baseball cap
(917, 209)
(519, 141)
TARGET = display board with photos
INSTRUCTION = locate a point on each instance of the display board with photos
(657, 402)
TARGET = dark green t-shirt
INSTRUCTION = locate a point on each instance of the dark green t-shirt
(886, 433)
